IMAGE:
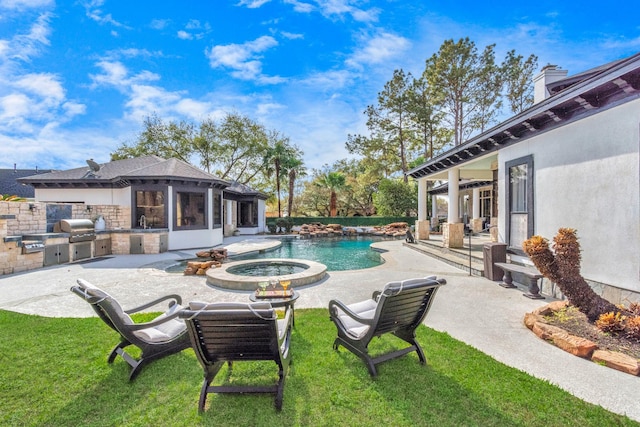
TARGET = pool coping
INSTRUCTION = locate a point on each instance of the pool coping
(221, 278)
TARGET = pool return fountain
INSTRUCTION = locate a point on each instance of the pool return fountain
(246, 275)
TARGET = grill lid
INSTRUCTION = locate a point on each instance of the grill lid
(74, 226)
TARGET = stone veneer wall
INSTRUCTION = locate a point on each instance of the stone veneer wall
(12, 260)
(31, 221)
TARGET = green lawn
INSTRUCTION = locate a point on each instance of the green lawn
(54, 373)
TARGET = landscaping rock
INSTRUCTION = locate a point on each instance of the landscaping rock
(618, 361)
(562, 339)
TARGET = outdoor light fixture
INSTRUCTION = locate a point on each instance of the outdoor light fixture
(32, 207)
(89, 208)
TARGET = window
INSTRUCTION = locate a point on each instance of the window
(248, 214)
(150, 209)
(190, 210)
(217, 210)
(519, 195)
(485, 204)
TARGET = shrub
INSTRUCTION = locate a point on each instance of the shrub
(272, 227)
(632, 328)
(284, 223)
(611, 322)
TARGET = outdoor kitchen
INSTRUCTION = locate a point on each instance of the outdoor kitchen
(35, 235)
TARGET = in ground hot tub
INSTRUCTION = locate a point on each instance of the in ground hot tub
(245, 275)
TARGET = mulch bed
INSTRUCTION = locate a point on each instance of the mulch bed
(576, 323)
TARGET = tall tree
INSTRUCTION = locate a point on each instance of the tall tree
(460, 73)
(390, 117)
(275, 158)
(489, 85)
(334, 181)
(206, 143)
(427, 117)
(167, 140)
(243, 146)
(295, 167)
(518, 77)
(381, 155)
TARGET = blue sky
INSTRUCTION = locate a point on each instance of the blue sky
(77, 78)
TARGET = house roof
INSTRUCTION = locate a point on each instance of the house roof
(238, 191)
(593, 91)
(9, 184)
(123, 173)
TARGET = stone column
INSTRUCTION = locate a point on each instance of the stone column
(453, 229)
(422, 199)
(434, 210)
(476, 221)
(228, 220)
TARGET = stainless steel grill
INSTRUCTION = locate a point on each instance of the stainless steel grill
(80, 230)
(31, 247)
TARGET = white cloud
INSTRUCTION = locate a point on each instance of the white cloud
(24, 4)
(115, 74)
(159, 24)
(45, 85)
(94, 11)
(291, 36)
(301, 7)
(378, 49)
(252, 4)
(336, 9)
(26, 46)
(184, 35)
(243, 59)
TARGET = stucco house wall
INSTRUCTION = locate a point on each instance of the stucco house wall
(89, 196)
(587, 178)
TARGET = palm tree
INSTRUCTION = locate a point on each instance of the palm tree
(296, 168)
(278, 154)
(334, 181)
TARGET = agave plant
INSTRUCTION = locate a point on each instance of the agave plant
(11, 198)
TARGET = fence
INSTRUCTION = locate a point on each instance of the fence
(348, 221)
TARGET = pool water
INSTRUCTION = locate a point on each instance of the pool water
(267, 269)
(338, 254)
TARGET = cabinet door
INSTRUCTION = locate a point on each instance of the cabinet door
(51, 255)
(135, 243)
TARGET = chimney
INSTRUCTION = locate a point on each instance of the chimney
(548, 74)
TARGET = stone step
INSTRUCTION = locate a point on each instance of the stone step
(450, 257)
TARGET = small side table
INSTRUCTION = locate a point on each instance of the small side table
(280, 302)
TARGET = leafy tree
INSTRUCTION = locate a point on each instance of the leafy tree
(489, 84)
(396, 197)
(380, 155)
(275, 158)
(334, 181)
(243, 145)
(167, 140)
(518, 75)
(295, 167)
(390, 118)
(463, 76)
(427, 117)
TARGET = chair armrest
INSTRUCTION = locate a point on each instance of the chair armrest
(177, 298)
(376, 295)
(153, 323)
(334, 305)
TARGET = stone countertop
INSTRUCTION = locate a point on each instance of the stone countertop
(133, 231)
(44, 236)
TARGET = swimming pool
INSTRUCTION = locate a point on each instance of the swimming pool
(338, 254)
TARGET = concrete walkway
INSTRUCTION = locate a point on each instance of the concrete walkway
(471, 309)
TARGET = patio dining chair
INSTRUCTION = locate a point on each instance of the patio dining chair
(164, 335)
(231, 332)
(398, 309)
